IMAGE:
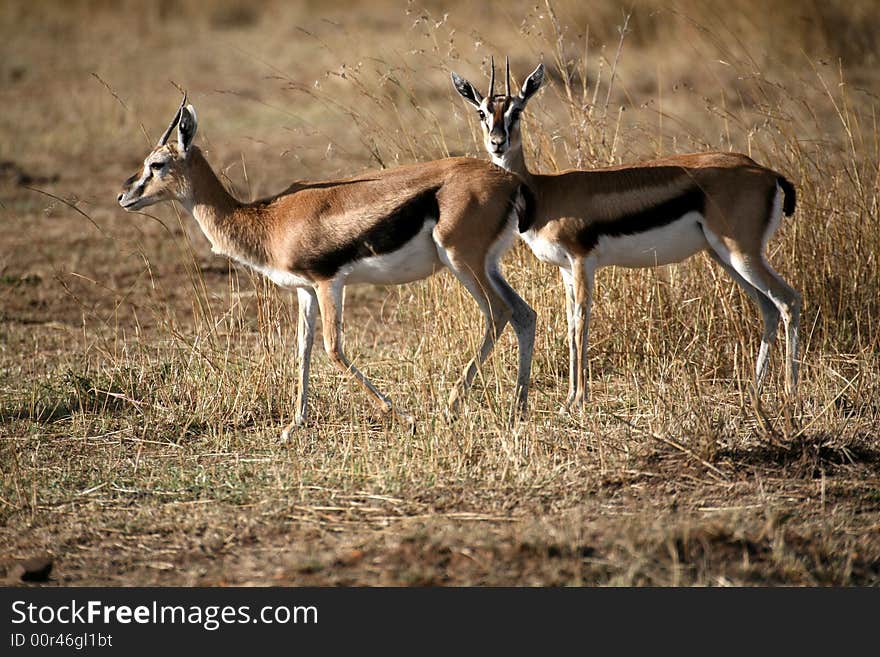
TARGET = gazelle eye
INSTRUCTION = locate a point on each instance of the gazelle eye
(155, 166)
(482, 115)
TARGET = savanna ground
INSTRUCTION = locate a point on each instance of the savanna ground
(143, 381)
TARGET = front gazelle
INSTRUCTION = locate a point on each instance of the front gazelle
(385, 227)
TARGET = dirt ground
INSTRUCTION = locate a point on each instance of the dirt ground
(143, 380)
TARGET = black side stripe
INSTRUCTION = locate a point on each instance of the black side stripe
(656, 216)
(385, 236)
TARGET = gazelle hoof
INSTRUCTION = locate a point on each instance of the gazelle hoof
(566, 407)
(407, 420)
(298, 422)
(572, 405)
(451, 412)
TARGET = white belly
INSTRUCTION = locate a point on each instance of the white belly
(660, 246)
(546, 251)
(280, 277)
(415, 260)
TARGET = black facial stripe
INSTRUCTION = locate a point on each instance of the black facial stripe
(385, 236)
(655, 216)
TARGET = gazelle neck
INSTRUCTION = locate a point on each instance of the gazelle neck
(513, 161)
(207, 199)
(234, 229)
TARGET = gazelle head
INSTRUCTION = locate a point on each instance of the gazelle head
(500, 114)
(164, 174)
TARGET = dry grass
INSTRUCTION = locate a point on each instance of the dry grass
(143, 380)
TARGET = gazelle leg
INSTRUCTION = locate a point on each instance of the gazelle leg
(761, 275)
(582, 278)
(307, 302)
(330, 303)
(769, 313)
(568, 283)
(495, 310)
(523, 319)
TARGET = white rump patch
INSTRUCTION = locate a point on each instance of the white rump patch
(775, 218)
(505, 240)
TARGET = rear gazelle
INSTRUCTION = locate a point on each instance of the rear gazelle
(385, 227)
(647, 214)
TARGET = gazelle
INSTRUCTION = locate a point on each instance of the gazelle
(386, 227)
(647, 214)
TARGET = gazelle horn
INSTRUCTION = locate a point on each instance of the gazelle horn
(492, 79)
(507, 65)
(173, 123)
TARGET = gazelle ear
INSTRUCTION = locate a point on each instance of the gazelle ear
(186, 129)
(467, 90)
(532, 83)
